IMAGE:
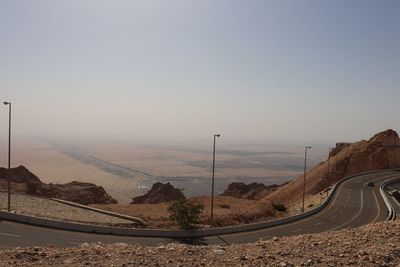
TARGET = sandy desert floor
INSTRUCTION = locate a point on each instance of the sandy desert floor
(126, 170)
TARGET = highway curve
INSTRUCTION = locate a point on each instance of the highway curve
(354, 204)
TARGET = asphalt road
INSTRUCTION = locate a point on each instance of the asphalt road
(354, 204)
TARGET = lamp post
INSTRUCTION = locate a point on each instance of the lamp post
(9, 155)
(212, 186)
(304, 176)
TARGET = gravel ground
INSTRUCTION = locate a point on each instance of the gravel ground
(371, 245)
(46, 208)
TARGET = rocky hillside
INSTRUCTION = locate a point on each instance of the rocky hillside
(371, 245)
(255, 191)
(380, 152)
(23, 181)
(159, 193)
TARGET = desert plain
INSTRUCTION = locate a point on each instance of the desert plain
(127, 169)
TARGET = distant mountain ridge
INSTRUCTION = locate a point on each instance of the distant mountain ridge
(24, 181)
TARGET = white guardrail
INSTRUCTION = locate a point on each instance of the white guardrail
(182, 233)
(391, 210)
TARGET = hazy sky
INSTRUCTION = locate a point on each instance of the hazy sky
(298, 71)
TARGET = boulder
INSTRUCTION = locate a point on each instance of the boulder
(159, 193)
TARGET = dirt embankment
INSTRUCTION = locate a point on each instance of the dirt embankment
(227, 211)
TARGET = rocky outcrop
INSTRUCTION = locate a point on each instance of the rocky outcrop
(253, 191)
(84, 193)
(23, 181)
(159, 193)
(382, 151)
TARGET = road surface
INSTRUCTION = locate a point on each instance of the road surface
(354, 204)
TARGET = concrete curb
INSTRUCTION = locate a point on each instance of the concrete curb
(177, 233)
(121, 216)
(73, 204)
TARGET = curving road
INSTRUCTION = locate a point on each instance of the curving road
(354, 204)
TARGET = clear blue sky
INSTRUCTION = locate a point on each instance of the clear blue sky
(298, 71)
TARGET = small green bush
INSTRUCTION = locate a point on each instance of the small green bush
(280, 207)
(185, 213)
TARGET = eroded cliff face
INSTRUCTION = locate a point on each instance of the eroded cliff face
(255, 191)
(23, 181)
(380, 152)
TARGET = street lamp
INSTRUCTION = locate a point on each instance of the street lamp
(212, 186)
(9, 154)
(304, 176)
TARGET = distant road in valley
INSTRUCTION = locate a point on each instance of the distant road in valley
(354, 204)
(107, 166)
(193, 186)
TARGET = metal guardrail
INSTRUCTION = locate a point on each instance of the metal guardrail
(179, 233)
(391, 210)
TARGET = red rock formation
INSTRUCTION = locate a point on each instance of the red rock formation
(380, 152)
(253, 191)
(23, 181)
(159, 193)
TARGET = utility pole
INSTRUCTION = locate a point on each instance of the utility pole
(9, 155)
(304, 176)
(212, 186)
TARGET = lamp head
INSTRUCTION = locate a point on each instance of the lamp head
(6, 103)
(309, 147)
(217, 135)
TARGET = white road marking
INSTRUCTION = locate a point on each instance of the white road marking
(319, 223)
(10, 235)
(379, 208)
(296, 230)
(357, 215)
